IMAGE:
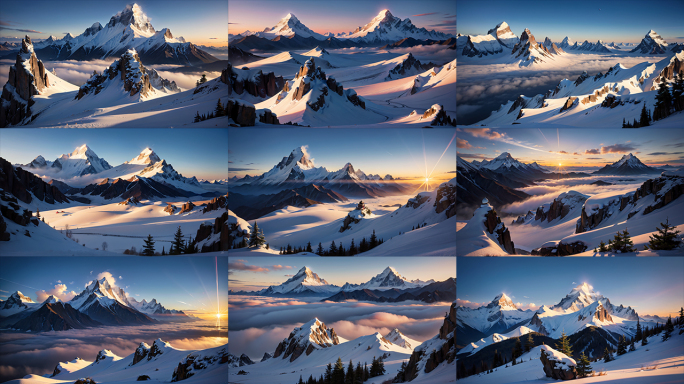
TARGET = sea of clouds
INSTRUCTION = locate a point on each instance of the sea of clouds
(38, 353)
(257, 324)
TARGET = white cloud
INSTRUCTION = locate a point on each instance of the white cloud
(60, 292)
(108, 276)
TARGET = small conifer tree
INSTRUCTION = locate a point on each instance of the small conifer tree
(666, 238)
(583, 366)
(148, 248)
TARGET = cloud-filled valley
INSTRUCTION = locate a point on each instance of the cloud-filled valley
(22, 354)
(258, 324)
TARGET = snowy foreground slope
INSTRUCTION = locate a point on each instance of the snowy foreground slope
(656, 363)
(161, 362)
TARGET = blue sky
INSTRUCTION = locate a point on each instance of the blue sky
(260, 272)
(652, 286)
(192, 152)
(618, 21)
(576, 149)
(185, 283)
(339, 16)
(198, 21)
(398, 152)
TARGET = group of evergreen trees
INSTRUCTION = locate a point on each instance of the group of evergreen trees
(336, 374)
(644, 120)
(220, 110)
(336, 250)
(666, 103)
(418, 226)
(178, 246)
(666, 238)
(642, 334)
(256, 239)
(498, 360)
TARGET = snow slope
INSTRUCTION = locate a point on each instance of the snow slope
(666, 356)
(474, 239)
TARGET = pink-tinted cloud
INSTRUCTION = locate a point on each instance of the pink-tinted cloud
(60, 292)
(240, 265)
(469, 304)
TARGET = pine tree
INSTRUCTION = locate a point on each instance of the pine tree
(627, 244)
(203, 79)
(366, 372)
(666, 334)
(338, 372)
(256, 239)
(518, 348)
(340, 250)
(666, 238)
(333, 248)
(632, 347)
(563, 345)
(607, 355)
(197, 118)
(163, 251)
(529, 344)
(622, 346)
(624, 124)
(148, 248)
(602, 247)
(197, 84)
(638, 334)
(663, 102)
(219, 111)
(177, 246)
(319, 251)
(328, 374)
(349, 377)
(358, 374)
(643, 119)
(300, 380)
(352, 248)
(583, 366)
(681, 313)
(678, 91)
(373, 241)
(381, 367)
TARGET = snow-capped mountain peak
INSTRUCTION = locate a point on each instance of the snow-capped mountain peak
(18, 296)
(290, 25)
(580, 297)
(147, 156)
(386, 27)
(304, 281)
(503, 301)
(397, 338)
(50, 300)
(99, 291)
(132, 15)
(82, 152)
(81, 161)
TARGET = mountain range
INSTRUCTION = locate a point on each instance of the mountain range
(128, 29)
(590, 320)
(290, 33)
(82, 173)
(388, 285)
(100, 303)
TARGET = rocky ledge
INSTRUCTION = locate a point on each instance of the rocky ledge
(493, 225)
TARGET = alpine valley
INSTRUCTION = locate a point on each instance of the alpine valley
(388, 73)
(527, 80)
(118, 94)
(79, 204)
(504, 213)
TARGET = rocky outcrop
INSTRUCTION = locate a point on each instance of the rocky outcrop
(140, 353)
(257, 84)
(242, 113)
(198, 361)
(217, 234)
(268, 117)
(561, 249)
(407, 67)
(187, 207)
(4, 235)
(568, 104)
(355, 216)
(133, 74)
(538, 323)
(130, 201)
(665, 189)
(294, 346)
(216, 203)
(170, 208)
(441, 118)
(266, 356)
(446, 200)
(493, 225)
(556, 369)
(602, 315)
(25, 185)
(27, 77)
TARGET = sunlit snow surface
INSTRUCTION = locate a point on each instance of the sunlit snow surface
(667, 357)
(388, 103)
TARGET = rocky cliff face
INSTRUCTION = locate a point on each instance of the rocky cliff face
(20, 184)
(213, 237)
(494, 225)
(446, 199)
(410, 66)
(27, 77)
(257, 84)
(242, 113)
(301, 340)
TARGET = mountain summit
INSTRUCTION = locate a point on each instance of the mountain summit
(627, 165)
(147, 156)
(290, 26)
(385, 27)
(651, 44)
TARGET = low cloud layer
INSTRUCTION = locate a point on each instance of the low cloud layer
(546, 192)
(22, 354)
(258, 324)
